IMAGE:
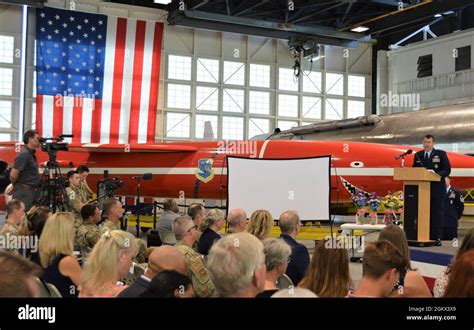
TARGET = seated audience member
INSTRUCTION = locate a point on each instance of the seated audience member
(413, 284)
(260, 224)
(169, 284)
(186, 231)
(162, 258)
(277, 254)
(88, 232)
(237, 220)
(236, 265)
(211, 224)
(12, 226)
(77, 197)
(83, 171)
(461, 277)
(109, 261)
(36, 218)
(113, 212)
(170, 212)
(196, 211)
(382, 267)
(328, 274)
(441, 282)
(290, 227)
(56, 247)
(294, 293)
(18, 276)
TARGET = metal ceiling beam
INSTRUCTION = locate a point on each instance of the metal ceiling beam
(392, 3)
(305, 9)
(207, 21)
(227, 7)
(243, 11)
(348, 9)
(413, 16)
(200, 4)
(175, 15)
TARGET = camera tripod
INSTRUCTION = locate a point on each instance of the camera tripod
(51, 191)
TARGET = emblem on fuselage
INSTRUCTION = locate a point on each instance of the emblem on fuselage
(205, 172)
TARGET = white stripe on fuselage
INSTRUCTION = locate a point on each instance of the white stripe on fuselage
(343, 171)
(262, 150)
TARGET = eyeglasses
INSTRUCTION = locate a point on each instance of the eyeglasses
(193, 227)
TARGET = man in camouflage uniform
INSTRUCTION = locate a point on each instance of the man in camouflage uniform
(77, 197)
(113, 211)
(83, 171)
(88, 233)
(185, 231)
(12, 226)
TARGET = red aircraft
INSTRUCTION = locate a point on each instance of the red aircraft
(198, 169)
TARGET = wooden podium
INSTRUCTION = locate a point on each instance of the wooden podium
(416, 208)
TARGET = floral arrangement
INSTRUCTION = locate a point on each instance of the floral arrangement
(374, 203)
(393, 204)
(360, 201)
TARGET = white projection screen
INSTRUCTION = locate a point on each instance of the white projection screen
(278, 185)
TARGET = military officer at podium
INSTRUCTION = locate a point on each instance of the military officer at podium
(437, 161)
(453, 209)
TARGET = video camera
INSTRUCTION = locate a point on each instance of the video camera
(107, 186)
(55, 144)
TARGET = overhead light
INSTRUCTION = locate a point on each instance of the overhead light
(360, 29)
(438, 15)
(162, 2)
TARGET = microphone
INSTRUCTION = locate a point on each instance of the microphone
(145, 176)
(409, 151)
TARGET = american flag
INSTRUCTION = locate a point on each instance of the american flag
(97, 76)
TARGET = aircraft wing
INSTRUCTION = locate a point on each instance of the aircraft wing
(153, 148)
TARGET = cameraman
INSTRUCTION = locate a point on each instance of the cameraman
(25, 173)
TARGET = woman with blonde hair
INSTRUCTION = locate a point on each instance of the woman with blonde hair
(109, 261)
(328, 274)
(210, 225)
(413, 284)
(261, 224)
(56, 246)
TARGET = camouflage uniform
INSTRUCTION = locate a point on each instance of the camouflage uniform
(84, 190)
(8, 230)
(87, 235)
(76, 198)
(141, 244)
(197, 271)
(108, 225)
(196, 242)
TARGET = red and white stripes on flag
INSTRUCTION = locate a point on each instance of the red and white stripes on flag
(127, 111)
